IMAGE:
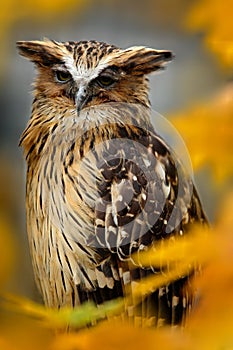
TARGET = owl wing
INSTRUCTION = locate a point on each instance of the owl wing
(144, 197)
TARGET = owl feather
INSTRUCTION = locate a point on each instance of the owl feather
(102, 184)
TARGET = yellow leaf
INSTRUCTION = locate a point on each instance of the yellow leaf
(8, 251)
(214, 17)
(121, 335)
(175, 258)
(176, 250)
(209, 326)
(78, 317)
(212, 321)
(208, 133)
(20, 333)
(4, 344)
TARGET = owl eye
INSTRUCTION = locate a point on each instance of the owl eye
(62, 76)
(105, 80)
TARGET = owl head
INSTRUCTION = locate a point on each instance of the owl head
(90, 73)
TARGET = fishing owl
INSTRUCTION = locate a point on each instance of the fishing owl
(102, 184)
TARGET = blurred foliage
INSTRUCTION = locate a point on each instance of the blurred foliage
(209, 325)
(207, 130)
(34, 11)
(207, 127)
(214, 18)
(12, 11)
(8, 251)
(208, 133)
(212, 321)
(80, 317)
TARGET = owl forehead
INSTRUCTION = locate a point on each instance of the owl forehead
(88, 58)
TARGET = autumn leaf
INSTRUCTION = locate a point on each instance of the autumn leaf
(82, 316)
(176, 250)
(214, 17)
(207, 130)
(121, 335)
(38, 9)
(209, 326)
(212, 321)
(8, 251)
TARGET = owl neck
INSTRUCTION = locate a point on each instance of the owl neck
(50, 125)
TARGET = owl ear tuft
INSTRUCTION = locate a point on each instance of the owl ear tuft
(42, 53)
(142, 60)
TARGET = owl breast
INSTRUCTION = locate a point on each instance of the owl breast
(86, 196)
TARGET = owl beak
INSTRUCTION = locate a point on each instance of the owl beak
(81, 98)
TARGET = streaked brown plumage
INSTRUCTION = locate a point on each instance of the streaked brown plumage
(101, 184)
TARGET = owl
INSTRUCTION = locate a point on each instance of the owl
(102, 184)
